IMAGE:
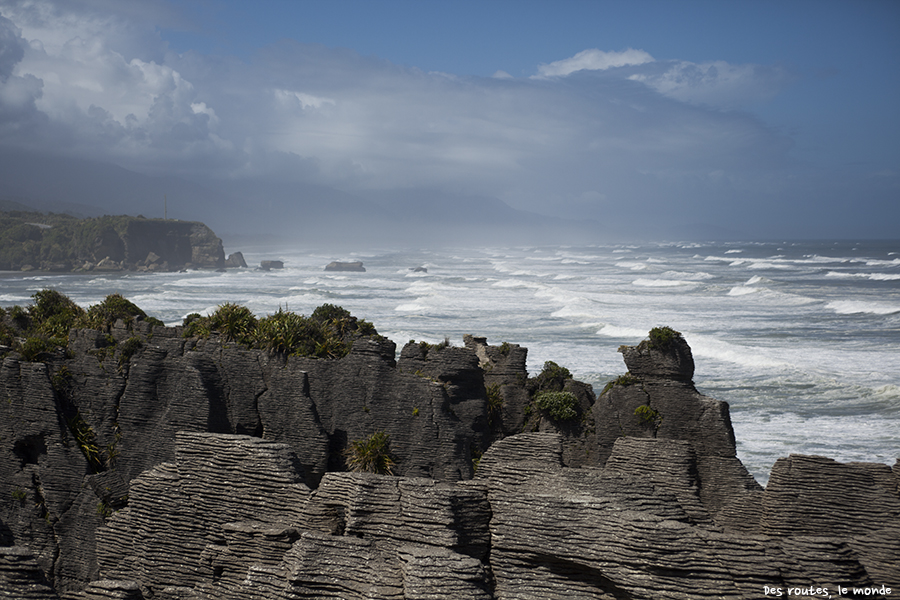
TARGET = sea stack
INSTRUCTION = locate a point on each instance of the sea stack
(345, 266)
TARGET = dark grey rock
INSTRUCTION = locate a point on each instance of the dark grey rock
(268, 265)
(235, 260)
(356, 266)
(208, 453)
(21, 578)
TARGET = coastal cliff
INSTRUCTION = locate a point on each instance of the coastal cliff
(57, 242)
(192, 462)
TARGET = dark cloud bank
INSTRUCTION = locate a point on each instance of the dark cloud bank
(314, 144)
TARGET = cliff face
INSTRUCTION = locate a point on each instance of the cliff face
(199, 469)
(62, 243)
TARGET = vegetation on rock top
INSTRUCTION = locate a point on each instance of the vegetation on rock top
(328, 332)
(662, 337)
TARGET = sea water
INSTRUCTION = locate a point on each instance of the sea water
(801, 339)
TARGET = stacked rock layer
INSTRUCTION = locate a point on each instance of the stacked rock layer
(221, 476)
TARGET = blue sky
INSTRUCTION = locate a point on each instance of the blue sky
(774, 118)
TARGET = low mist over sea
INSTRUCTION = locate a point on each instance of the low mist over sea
(801, 339)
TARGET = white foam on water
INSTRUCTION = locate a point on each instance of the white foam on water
(770, 265)
(733, 251)
(663, 283)
(688, 275)
(515, 283)
(615, 331)
(634, 266)
(883, 263)
(742, 290)
(751, 357)
(855, 307)
(411, 307)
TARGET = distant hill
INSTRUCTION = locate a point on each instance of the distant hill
(60, 242)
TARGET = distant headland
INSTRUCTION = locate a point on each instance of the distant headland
(33, 241)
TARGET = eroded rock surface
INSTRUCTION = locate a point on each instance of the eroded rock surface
(220, 475)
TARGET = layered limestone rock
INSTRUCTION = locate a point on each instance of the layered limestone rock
(637, 529)
(657, 399)
(198, 469)
(57, 487)
(21, 578)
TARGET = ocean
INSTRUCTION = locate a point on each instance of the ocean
(801, 339)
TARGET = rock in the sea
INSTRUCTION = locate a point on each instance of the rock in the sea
(345, 266)
(235, 260)
(268, 265)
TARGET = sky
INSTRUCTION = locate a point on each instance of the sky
(763, 119)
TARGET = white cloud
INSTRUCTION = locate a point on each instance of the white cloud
(304, 100)
(715, 83)
(594, 60)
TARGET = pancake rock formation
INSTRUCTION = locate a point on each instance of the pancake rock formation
(200, 469)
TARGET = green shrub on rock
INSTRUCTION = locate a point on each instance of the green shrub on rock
(560, 405)
(663, 337)
(115, 307)
(36, 349)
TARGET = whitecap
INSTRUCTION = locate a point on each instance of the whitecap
(853, 307)
(616, 331)
(883, 263)
(634, 266)
(691, 276)
(663, 283)
(411, 307)
(706, 346)
(515, 283)
(742, 291)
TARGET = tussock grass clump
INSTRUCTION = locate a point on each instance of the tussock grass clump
(328, 332)
(42, 329)
(371, 454)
